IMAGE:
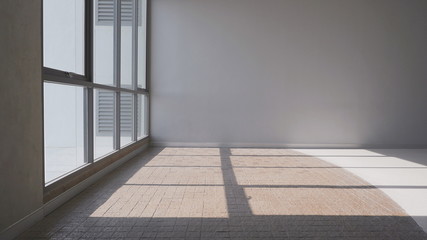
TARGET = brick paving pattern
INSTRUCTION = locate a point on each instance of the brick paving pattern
(220, 193)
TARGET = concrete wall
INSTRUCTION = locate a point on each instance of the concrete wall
(289, 72)
(21, 158)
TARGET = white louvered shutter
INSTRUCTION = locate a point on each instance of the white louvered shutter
(105, 113)
(126, 109)
(105, 12)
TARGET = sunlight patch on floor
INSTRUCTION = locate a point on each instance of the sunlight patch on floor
(189, 151)
(130, 201)
(322, 202)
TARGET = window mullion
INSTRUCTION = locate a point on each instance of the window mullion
(117, 58)
(89, 40)
(88, 122)
(89, 92)
(147, 115)
(55, 73)
(135, 67)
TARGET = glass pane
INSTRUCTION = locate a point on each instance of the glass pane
(126, 44)
(103, 123)
(63, 129)
(142, 128)
(63, 35)
(126, 118)
(142, 5)
(103, 45)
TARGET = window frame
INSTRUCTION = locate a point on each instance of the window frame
(86, 81)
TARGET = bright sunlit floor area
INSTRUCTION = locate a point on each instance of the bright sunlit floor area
(251, 193)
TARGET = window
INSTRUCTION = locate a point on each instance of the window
(63, 35)
(126, 118)
(104, 123)
(94, 81)
(64, 143)
(126, 48)
(142, 119)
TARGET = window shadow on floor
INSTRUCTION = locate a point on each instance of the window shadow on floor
(213, 194)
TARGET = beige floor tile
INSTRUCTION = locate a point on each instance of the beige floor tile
(222, 193)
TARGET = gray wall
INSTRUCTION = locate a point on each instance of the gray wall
(289, 72)
(21, 159)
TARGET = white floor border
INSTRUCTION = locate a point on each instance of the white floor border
(19, 227)
(287, 145)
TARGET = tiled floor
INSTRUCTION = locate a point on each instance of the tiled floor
(217, 193)
(399, 173)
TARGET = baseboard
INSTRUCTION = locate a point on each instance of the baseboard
(19, 227)
(422, 221)
(291, 145)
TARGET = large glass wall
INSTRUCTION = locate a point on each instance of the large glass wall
(94, 91)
